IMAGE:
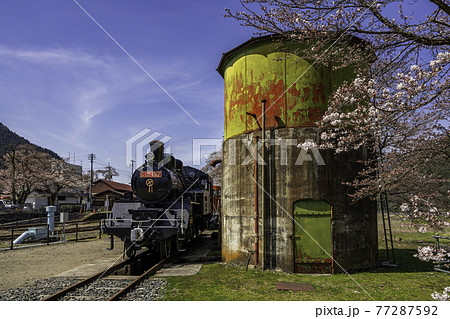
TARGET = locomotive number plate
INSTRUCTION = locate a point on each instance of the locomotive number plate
(150, 174)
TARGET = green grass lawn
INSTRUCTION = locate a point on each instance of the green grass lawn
(411, 280)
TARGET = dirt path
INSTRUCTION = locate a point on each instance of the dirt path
(20, 266)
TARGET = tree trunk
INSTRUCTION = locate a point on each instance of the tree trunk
(52, 199)
(22, 196)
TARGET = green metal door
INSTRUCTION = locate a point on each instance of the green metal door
(312, 236)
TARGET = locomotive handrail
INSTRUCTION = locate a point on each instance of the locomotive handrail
(177, 221)
(142, 220)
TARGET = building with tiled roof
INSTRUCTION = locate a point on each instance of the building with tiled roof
(105, 193)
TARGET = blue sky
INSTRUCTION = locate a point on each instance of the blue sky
(65, 84)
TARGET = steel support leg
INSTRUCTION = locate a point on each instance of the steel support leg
(111, 247)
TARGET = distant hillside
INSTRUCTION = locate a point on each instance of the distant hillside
(10, 139)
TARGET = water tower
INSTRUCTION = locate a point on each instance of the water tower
(285, 207)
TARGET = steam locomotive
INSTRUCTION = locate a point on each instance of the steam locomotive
(173, 204)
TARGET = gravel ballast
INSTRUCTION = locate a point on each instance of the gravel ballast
(150, 289)
(38, 289)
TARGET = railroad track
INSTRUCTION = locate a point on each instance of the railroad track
(103, 286)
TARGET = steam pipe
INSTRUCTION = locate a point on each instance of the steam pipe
(23, 237)
(256, 192)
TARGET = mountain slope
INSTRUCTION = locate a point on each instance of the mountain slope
(9, 139)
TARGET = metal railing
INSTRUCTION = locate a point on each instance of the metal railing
(74, 228)
(438, 264)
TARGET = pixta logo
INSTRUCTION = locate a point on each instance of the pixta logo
(202, 147)
(309, 151)
(138, 146)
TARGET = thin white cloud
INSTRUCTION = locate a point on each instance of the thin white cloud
(93, 102)
(52, 56)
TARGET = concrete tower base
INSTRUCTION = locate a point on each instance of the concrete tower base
(309, 224)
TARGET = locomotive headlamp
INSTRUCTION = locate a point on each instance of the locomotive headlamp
(149, 156)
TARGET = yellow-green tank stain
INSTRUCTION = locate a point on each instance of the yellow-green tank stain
(296, 90)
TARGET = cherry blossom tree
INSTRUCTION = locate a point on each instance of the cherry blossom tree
(107, 173)
(27, 170)
(60, 176)
(213, 166)
(8, 174)
(430, 253)
(444, 296)
(21, 175)
(398, 105)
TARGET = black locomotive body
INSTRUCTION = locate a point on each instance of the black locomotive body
(173, 204)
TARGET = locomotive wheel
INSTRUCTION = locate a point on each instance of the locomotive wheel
(131, 252)
(187, 236)
(196, 232)
(175, 243)
(167, 247)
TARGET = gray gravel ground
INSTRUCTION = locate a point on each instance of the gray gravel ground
(38, 289)
(149, 290)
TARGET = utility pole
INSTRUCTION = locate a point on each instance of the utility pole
(132, 167)
(91, 157)
(109, 176)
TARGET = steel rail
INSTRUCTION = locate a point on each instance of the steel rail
(92, 278)
(137, 281)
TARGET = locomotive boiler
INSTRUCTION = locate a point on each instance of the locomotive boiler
(172, 204)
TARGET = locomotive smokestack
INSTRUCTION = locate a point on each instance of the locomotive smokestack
(157, 148)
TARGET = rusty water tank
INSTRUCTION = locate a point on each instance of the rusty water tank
(309, 224)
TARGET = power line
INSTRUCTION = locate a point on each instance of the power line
(101, 162)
